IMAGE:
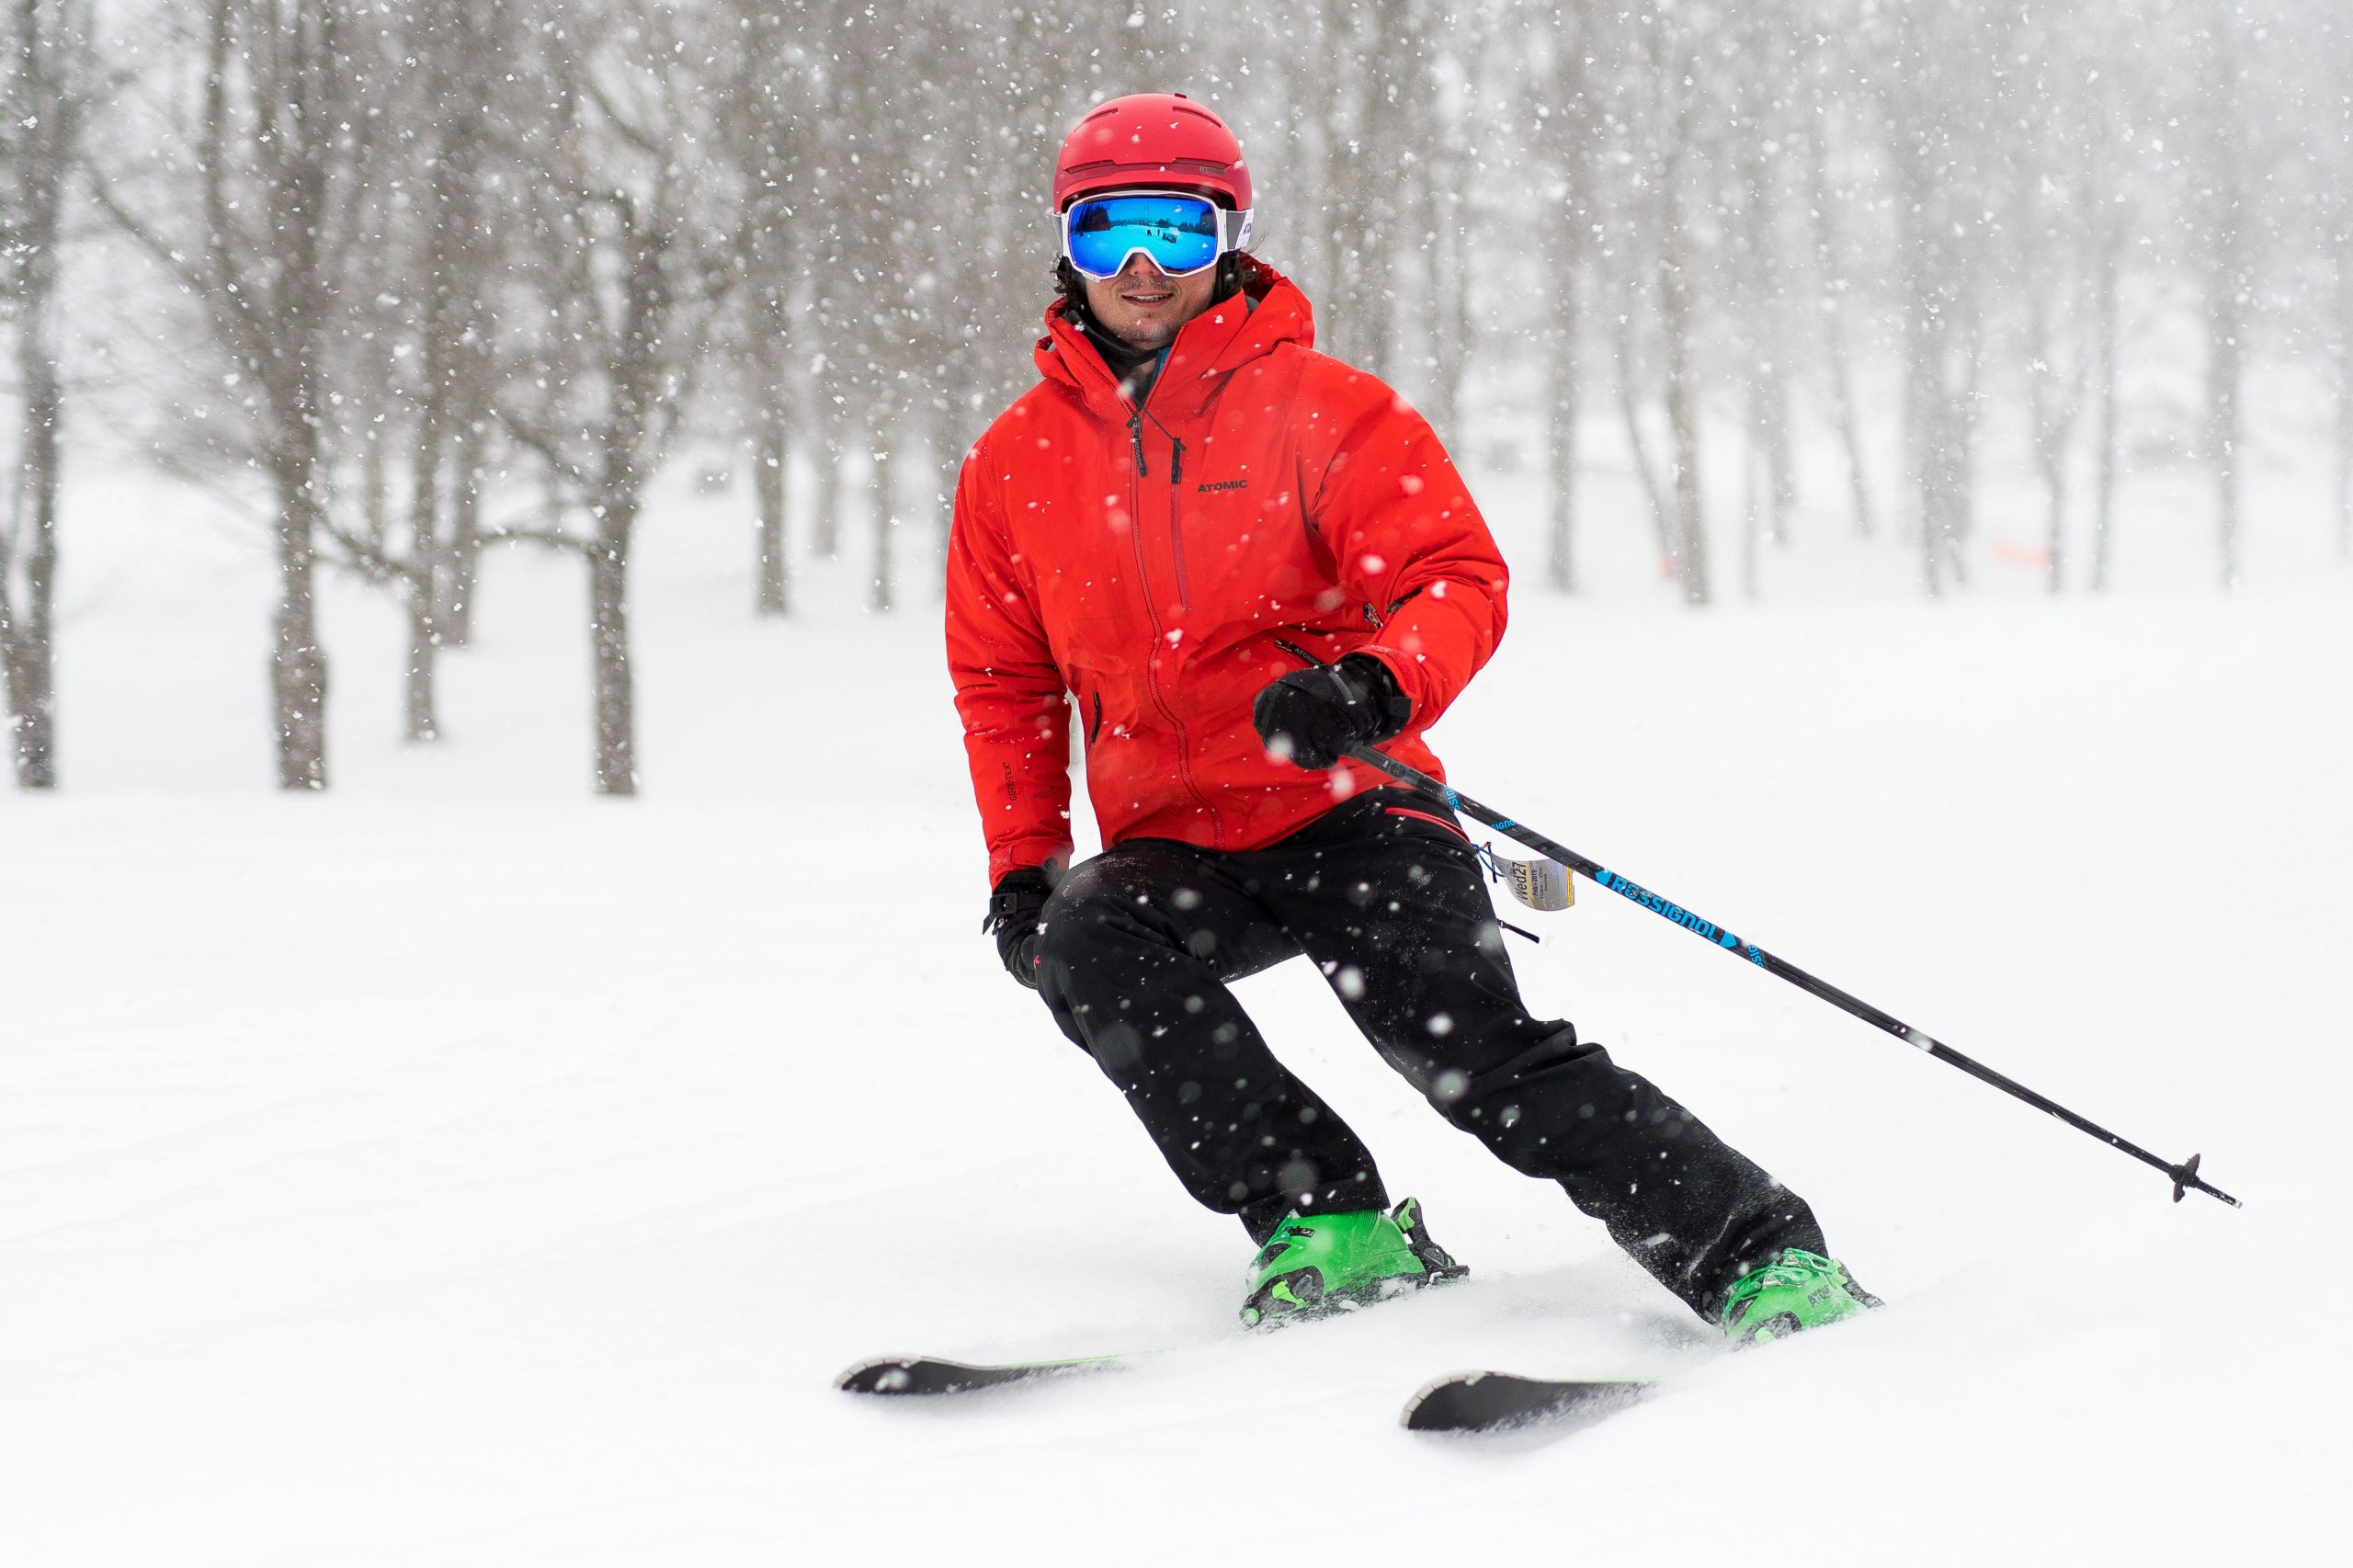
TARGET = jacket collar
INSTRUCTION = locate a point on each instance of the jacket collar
(1211, 346)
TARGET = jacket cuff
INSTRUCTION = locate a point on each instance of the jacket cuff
(1027, 855)
(1389, 698)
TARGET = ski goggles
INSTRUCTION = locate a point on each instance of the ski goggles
(1176, 232)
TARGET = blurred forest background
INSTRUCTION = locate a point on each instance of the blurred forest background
(415, 279)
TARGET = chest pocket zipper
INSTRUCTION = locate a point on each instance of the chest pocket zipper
(1176, 521)
(1096, 728)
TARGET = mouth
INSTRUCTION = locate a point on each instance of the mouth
(1147, 300)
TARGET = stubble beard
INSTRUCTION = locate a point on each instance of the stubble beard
(1141, 337)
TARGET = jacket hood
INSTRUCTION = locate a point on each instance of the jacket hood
(1219, 341)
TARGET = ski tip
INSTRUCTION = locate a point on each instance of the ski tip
(879, 1374)
(937, 1375)
(920, 1374)
(1496, 1401)
(1410, 1417)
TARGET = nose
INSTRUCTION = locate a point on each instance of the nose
(1140, 269)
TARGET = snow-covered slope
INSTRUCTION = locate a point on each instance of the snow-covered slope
(456, 1170)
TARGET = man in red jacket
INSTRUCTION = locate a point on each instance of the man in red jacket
(1236, 557)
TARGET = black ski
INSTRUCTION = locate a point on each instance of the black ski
(1489, 1402)
(932, 1375)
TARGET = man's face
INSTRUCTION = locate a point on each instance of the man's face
(1143, 307)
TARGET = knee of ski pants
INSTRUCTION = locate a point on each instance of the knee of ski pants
(1539, 1106)
(1105, 918)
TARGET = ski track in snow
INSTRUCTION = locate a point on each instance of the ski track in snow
(454, 1169)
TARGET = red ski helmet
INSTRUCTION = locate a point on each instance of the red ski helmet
(1154, 140)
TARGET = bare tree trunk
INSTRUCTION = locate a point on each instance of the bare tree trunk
(628, 268)
(299, 675)
(1449, 304)
(1561, 407)
(421, 713)
(1376, 67)
(825, 513)
(471, 264)
(2054, 464)
(2224, 201)
(29, 534)
(1765, 367)
(1448, 247)
(1922, 414)
(1829, 259)
(1756, 286)
(1690, 553)
(1964, 363)
(1780, 461)
(298, 664)
(282, 325)
(884, 436)
(459, 268)
(28, 620)
(375, 486)
(462, 568)
(1756, 482)
(2053, 397)
(2345, 405)
(1939, 353)
(2226, 329)
(771, 427)
(1349, 186)
(1630, 412)
(1850, 435)
(775, 597)
(423, 648)
(952, 439)
(2105, 307)
(615, 695)
(1928, 439)
(937, 481)
(422, 579)
(1566, 137)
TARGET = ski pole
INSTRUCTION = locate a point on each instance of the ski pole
(2185, 1175)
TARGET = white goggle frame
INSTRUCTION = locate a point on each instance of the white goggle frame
(1234, 228)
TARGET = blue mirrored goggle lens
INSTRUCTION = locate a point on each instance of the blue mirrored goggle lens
(1179, 234)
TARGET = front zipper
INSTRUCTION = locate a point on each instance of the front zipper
(1152, 611)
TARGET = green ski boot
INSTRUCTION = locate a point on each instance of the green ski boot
(1796, 1292)
(1320, 1263)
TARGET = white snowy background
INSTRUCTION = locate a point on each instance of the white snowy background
(452, 1166)
(454, 1169)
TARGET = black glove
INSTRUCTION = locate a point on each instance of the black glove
(1013, 915)
(1313, 715)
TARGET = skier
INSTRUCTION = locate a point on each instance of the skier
(1237, 557)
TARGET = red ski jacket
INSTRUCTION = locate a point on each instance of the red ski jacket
(1144, 562)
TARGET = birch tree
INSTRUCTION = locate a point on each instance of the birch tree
(261, 234)
(44, 94)
(621, 282)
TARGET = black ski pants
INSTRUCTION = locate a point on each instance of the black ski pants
(1388, 899)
